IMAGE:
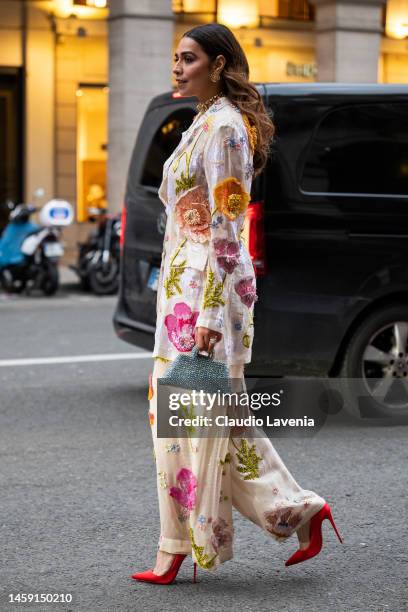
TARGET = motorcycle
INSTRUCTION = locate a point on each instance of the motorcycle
(29, 252)
(98, 261)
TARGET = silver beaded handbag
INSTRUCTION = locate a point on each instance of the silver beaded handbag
(195, 371)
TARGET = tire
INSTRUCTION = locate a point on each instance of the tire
(83, 265)
(50, 282)
(84, 284)
(9, 284)
(6, 279)
(374, 375)
(105, 281)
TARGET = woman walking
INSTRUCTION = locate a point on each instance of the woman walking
(206, 297)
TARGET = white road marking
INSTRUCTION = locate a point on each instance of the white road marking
(73, 359)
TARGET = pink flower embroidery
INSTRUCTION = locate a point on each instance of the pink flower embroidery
(185, 493)
(227, 254)
(180, 326)
(246, 291)
(222, 534)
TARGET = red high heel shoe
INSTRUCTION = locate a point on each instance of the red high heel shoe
(315, 536)
(169, 576)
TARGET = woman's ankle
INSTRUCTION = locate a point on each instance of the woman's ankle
(163, 562)
(303, 535)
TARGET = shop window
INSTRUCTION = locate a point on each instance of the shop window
(194, 6)
(11, 120)
(301, 10)
(195, 11)
(360, 150)
(92, 3)
(163, 144)
(92, 134)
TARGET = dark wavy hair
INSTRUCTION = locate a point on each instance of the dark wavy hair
(216, 39)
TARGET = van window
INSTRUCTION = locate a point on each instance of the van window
(360, 149)
(163, 144)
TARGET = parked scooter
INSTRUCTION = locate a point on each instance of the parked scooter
(99, 257)
(29, 253)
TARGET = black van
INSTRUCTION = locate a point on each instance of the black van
(327, 230)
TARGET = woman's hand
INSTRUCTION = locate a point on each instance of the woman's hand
(206, 338)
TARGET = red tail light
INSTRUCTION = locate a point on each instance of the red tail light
(254, 236)
(122, 227)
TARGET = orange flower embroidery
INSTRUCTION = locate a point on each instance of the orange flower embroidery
(193, 214)
(150, 392)
(230, 197)
(151, 418)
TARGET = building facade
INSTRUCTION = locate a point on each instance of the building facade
(76, 77)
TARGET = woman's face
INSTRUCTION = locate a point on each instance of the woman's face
(193, 68)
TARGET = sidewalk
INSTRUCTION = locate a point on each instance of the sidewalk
(67, 276)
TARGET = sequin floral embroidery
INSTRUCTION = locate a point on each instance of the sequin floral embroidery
(162, 480)
(223, 497)
(281, 522)
(248, 460)
(230, 141)
(193, 214)
(173, 447)
(213, 291)
(185, 493)
(202, 522)
(172, 281)
(230, 197)
(184, 182)
(227, 253)
(150, 392)
(246, 291)
(202, 558)
(222, 534)
(180, 326)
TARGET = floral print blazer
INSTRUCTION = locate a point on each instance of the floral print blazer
(207, 277)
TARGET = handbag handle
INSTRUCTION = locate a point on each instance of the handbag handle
(196, 354)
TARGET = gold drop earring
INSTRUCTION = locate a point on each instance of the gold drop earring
(215, 77)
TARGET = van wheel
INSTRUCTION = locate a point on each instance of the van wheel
(374, 375)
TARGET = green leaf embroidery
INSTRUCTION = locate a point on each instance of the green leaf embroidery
(188, 413)
(184, 182)
(212, 291)
(202, 558)
(172, 281)
(226, 460)
(248, 459)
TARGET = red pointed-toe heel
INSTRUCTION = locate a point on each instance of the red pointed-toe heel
(315, 535)
(168, 577)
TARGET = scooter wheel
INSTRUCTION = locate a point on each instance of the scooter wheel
(105, 281)
(7, 281)
(50, 282)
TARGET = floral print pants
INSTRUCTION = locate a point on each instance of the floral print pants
(199, 480)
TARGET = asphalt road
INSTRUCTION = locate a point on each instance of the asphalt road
(78, 511)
